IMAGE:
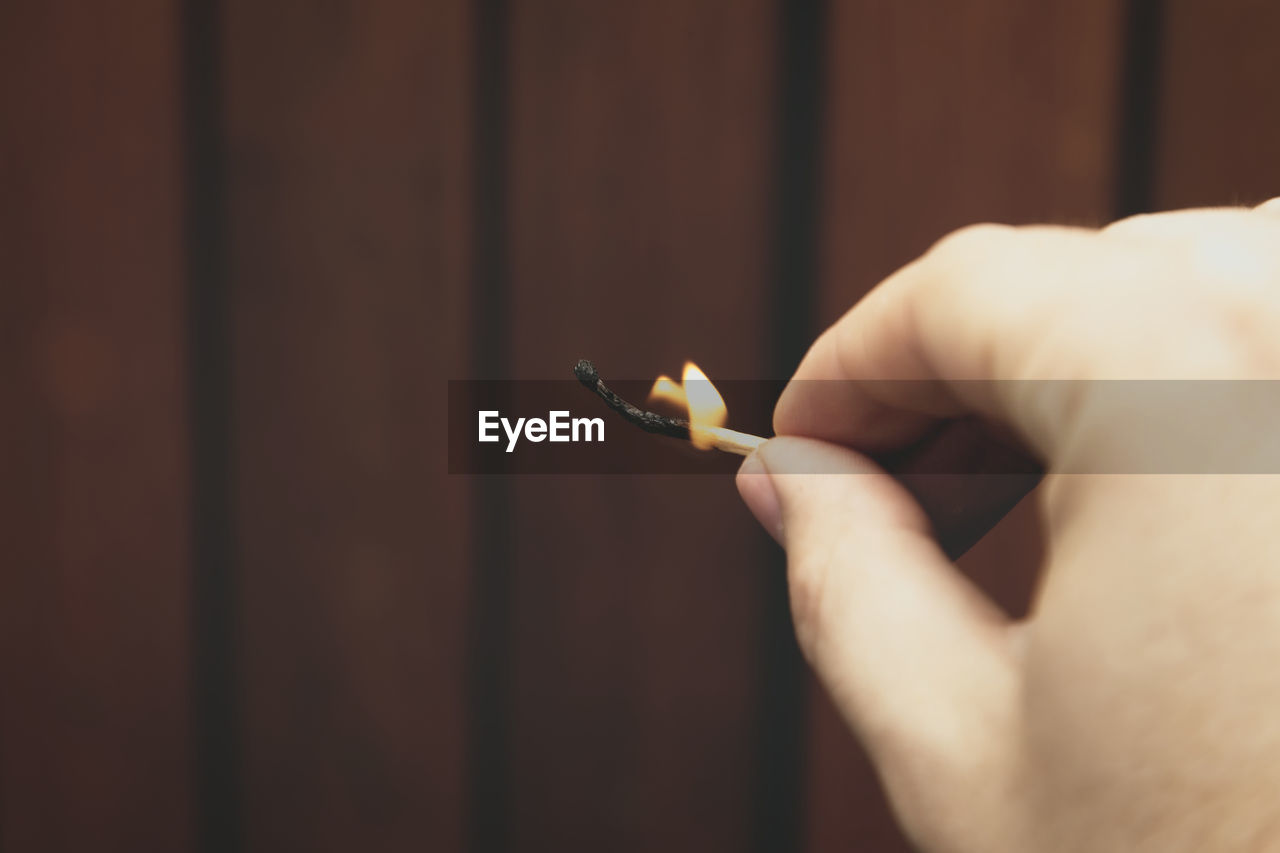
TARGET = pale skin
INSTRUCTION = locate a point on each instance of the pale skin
(1138, 706)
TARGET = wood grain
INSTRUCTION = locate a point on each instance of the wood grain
(94, 595)
(1219, 105)
(348, 132)
(640, 169)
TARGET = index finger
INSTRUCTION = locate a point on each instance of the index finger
(936, 339)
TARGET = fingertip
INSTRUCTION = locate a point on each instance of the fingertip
(893, 631)
(756, 488)
(816, 482)
(868, 412)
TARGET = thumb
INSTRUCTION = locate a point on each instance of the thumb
(916, 659)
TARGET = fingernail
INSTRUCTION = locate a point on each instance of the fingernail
(756, 487)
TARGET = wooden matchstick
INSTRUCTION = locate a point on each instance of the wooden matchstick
(728, 440)
(732, 441)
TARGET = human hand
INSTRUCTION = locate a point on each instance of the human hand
(1137, 707)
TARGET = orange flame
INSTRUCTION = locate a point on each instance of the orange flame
(706, 408)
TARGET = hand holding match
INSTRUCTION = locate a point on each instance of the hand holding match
(703, 430)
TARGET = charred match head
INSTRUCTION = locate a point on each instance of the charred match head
(648, 421)
(586, 373)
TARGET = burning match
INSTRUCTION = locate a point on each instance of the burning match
(707, 412)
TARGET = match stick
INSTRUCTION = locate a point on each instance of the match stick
(732, 441)
(727, 440)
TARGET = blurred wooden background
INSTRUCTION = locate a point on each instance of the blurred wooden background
(243, 246)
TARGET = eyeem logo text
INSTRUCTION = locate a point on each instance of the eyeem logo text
(558, 427)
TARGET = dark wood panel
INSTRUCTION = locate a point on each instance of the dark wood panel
(640, 155)
(348, 128)
(939, 117)
(94, 596)
(942, 117)
(1219, 106)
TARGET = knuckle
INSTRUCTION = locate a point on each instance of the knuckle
(972, 240)
(1137, 223)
